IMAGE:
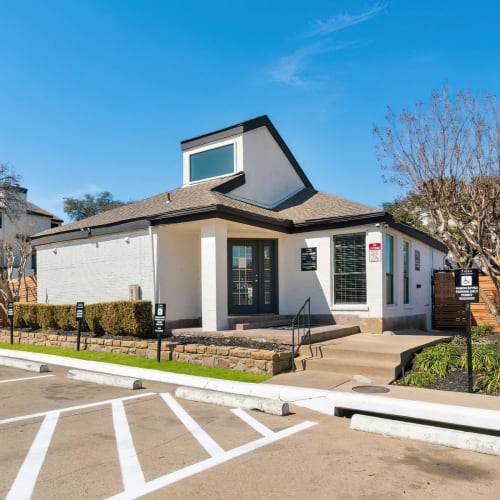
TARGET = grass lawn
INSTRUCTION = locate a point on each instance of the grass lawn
(128, 360)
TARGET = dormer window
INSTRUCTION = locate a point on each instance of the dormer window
(211, 163)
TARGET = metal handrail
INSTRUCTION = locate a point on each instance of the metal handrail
(303, 314)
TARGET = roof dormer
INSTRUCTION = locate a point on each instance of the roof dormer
(272, 174)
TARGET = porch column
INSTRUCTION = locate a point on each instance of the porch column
(214, 276)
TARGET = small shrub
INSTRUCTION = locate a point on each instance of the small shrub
(480, 331)
(485, 358)
(439, 359)
(459, 340)
(64, 316)
(488, 383)
(419, 379)
(45, 316)
(117, 318)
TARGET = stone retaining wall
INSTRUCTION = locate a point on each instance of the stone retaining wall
(235, 358)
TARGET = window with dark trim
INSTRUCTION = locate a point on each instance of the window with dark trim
(33, 260)
(406, 272)
(211, 163)
(349, 269)
(389, 269)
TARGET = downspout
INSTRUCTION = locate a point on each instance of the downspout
(154, 253)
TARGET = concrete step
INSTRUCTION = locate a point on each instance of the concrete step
(342, 353)
(236, 322)
(371, 369)
(253, 325)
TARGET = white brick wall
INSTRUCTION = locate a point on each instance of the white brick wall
(97, 269)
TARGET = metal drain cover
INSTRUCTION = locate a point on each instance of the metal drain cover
(370, 389)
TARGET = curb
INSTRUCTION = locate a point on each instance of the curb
(266, 405)
(24, 364)
(320, 400)
(105, 379)
(480, 443)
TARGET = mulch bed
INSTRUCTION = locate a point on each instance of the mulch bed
(189, 339)
(458, 381)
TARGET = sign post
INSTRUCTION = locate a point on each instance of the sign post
(159, 319)
(10, 314)
(79, 318)
(467, 290)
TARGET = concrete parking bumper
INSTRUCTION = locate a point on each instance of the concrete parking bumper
(266, 405)
(23, 364)
(105, 379)
(452, 438)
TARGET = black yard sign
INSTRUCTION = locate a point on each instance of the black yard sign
(159, 319)
(467, 290)
(467, 285)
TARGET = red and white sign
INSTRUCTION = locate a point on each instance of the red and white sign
(375, 252)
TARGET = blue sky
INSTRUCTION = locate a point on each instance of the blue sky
(97, 94)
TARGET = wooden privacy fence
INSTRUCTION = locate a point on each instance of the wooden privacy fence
(450, 313)
(27, 293)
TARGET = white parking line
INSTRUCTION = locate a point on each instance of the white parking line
(25, 378)
(130, 466)
(74, 408)
(260, 428)
(191, 470)
(201, 436)
(28, 473)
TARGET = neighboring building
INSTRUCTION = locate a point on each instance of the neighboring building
(28, 219)
(246, 234)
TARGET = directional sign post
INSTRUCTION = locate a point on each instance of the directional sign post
(10, 314)
(159, 319)
(79, 318)
(467, 290)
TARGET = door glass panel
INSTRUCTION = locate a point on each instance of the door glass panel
(267, 274)
(242, 271)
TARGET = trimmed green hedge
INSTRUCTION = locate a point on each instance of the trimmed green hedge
(128, 317)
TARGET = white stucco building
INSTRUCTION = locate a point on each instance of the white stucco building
(246, 234)
(26, 219)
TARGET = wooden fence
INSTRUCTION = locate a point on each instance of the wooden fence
(450, 313)
(27, 293)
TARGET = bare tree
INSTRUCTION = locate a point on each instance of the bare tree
(12, 201)
(15, 253)
(448, 152)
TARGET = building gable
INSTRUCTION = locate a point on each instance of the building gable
(253, 147)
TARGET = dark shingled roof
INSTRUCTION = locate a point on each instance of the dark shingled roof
(307, 210)
(308, 204)
(35, 209)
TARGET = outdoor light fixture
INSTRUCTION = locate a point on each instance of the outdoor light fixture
(54, 251)
(127, 239)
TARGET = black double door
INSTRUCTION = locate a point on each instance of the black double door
(252, 276)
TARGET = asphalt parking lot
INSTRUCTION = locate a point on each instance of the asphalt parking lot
(66, 439)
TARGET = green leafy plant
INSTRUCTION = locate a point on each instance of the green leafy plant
(485, 358)
(132, 317)
(419, 379)
(439, 359)
(480, 331)
(488, 383)
(459, 340)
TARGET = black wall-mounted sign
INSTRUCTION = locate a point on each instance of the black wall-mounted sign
(308, 259)
(467, 285)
